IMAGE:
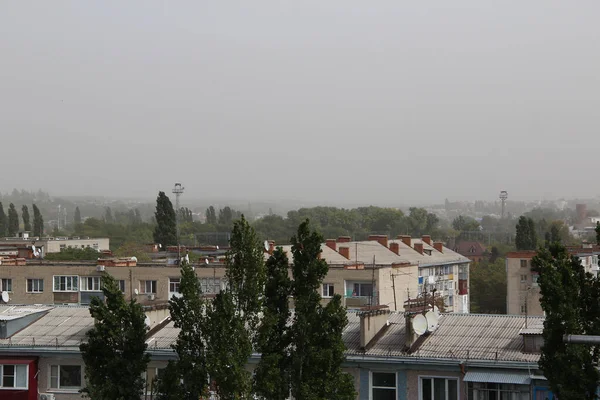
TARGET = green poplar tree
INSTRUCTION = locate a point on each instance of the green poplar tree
(25, 216)
(234, 315)
(597, 233)
(38, 222)
(526, 238)
(165, 232)
(570, 298)
(3, 222)
(77, 217)
(187, 378)
(317, 346)
(13, 220)
(115, 354)
(272, 375)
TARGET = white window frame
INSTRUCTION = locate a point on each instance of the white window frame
(174, 283)
(420, 383)
(123, 286)
(327, 290)
(2, 387)
(6, 285)
(212, 285)
(74, 283)
(96, 282)
(37, 285)
(371, 387)
(144, 286)
(74, 389)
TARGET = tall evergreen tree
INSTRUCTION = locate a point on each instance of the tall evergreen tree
(317, 346)
(77, 217)
(115, 351)
(187, 378)
(597, 233)
(165, 232)
(526, 238)
(25, 216)
(234, 314)
(570, 298)
(108, 216)
(13, 220)
(272, 375)
(3, 222)
(38, 222)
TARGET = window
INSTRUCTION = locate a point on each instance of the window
(35, 285)
(95, 246)
(383, 386)
(174, 285)
(13, 376)
(122, 285)
(362, 289)
(523, 278)
(438, 388)
(534, 280)
(65, 376)
(328, 290)
(211, 285)
(490, 391)
(63, 247)
(523, 309)
(66, 283)
(7, 285)
(523, 263)
(147, 286)
(91, 284)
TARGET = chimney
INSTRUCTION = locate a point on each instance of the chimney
(395, 247)
(383, 240)
(372, 324)
(419, 247)
(439, 246)
(344, 239)
(331, 244)
(406, 240)
(427, 239)
(345, 251)
(271, 246)
(373, 238)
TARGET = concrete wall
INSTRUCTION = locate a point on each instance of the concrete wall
(520, 293)
(53, 246)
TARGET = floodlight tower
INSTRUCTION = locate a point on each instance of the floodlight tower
(178, 190)
(503, 197)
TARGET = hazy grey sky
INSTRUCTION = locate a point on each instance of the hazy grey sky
(337, 100)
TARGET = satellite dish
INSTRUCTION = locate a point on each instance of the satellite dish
(147, 321)
(206, 261)
(267, 247)
(0, 261)
(33, 248)
(419, 324)
(136, 291)
(217, 247)
(5, 297)
(134, 258)
(432, 320)
(187, 258)
(160, 246)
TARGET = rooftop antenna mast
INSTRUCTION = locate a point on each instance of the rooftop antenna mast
(178, 190)
(503, 197)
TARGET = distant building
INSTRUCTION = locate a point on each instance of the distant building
(474, 251)
(47, 245)
(522, 289)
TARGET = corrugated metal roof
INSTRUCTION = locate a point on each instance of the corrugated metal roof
(514, 378)
(8, 313)
(461, 336)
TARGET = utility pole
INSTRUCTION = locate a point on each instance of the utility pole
(394, 289)
(177, 190)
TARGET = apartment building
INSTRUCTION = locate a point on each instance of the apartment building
(522, 290)
(22, 246)
(387, 358)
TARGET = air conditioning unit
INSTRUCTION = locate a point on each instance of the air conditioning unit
(47, 396)
(100, 268)
(151, 296)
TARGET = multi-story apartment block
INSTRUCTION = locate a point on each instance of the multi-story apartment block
(22, 246)
(522, 290)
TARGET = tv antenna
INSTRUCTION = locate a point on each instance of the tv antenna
(178, 191)
(503, 197)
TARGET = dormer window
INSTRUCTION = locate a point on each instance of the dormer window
(532, 344)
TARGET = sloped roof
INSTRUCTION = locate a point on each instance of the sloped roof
(461, 336)
(470, 248)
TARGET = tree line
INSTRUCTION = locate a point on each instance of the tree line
(10, 224)
(301, 353)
